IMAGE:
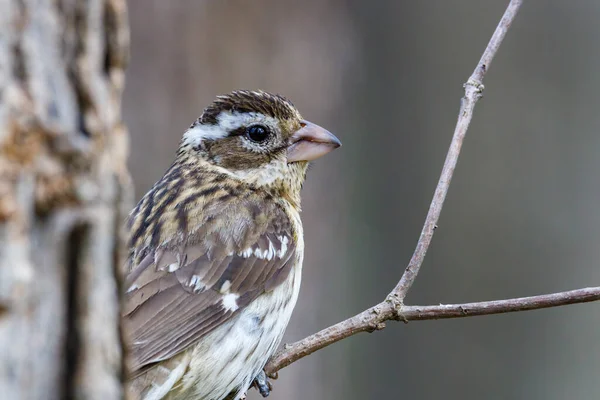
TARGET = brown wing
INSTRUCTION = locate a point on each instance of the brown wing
(176, 295)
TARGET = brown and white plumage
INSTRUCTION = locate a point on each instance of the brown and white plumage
(217, 248)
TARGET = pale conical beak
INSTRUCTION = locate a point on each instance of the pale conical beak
(311, 142)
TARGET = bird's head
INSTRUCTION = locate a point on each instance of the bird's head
(258, 137)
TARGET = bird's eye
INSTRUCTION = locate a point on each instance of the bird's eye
(257, 133)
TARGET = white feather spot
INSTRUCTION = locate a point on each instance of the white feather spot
(271, 253)
(284, 245)
(262, 254)
(246, 253)
(133, 287)
(197, 283)
(173, 267)
(230, 301)
(225, 287)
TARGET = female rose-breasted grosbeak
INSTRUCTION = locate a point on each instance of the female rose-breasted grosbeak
(216, 251)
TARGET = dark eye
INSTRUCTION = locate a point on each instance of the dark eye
(257, 133)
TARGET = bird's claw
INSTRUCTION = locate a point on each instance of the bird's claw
(261, 382)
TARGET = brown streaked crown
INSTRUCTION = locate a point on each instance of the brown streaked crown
(245, 101)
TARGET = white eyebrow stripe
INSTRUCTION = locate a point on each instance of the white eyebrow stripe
(198, 133)
(227, 121)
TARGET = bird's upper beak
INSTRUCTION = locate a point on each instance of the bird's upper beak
(311, 142)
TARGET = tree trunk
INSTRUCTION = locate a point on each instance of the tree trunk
(64, 192)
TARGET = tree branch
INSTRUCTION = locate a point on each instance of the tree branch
(375, 317)
(442, 311)
(393, 308)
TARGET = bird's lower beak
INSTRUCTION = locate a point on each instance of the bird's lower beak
(311, 142)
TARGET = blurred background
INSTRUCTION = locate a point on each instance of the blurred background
(521, 217)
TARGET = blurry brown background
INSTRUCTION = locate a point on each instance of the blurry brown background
(385, 76)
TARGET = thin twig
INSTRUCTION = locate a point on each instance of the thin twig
(420, 313)
(375, 317)
(393, 307)
(473, 92)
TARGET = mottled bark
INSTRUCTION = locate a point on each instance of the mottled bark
(64, 191)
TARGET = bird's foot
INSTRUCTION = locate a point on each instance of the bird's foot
(261, 382)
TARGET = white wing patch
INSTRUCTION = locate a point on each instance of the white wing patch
(270, 252)
(269, 248)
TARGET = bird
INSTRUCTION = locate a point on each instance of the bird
(216, 249)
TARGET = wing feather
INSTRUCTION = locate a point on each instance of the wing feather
(175, 295)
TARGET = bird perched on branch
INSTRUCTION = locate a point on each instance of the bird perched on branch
(216, 251)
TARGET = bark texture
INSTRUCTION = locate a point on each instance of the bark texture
(64, 191)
